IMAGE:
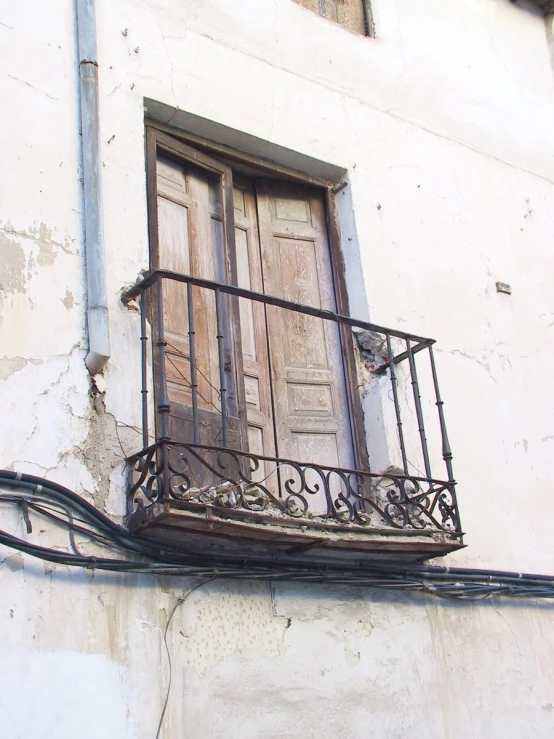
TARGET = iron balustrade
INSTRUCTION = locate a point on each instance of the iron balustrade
(396, 500)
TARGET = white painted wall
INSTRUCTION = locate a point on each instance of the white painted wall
(445, 121)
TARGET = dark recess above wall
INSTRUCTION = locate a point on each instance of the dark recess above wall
(546, 5)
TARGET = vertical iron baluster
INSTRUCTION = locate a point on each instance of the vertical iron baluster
(163, 398)
(164, 451)
(394, 383)
(219, 310)
(446, 451)
(419, 412)
(144, 370)
(193, 370)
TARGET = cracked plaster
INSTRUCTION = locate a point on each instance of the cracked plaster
(229, 620)
(10, 365)
(59, 429)
(300, 660)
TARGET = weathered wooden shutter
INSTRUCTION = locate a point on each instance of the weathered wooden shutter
(307, 371)
(194, 236)
(255, 357)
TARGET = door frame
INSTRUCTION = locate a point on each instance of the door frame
(177, 142)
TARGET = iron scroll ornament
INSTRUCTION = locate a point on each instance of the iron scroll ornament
(303, 491)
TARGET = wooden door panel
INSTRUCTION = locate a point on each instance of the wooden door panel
(292, 209)
(257, 445)
(244, 279)
(306, 346)
(253, 328)
(310, 402)
(174, 233)
(255, 358)
(298, 277)
(310, 399)
(318, 447)
(185, 245)
(191, 239)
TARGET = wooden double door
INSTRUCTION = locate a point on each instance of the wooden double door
(283, 374)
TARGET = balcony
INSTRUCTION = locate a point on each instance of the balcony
(197, 482)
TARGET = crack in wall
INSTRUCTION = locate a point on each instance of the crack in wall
(28, 84)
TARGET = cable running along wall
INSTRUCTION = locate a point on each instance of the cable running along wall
(115, 550)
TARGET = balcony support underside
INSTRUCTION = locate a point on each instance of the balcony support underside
(316, 510)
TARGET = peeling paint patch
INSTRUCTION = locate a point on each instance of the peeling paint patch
(331, 604)
(48, 248)
(364, 629)
(230, 619)
(12, 266)
(68, 300)
(10, 365)
(15, 562)
(42, 236)
(101, 450)
(352, 658)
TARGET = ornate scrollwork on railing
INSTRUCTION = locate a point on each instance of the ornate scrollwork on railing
(146, 477)
(198, 476)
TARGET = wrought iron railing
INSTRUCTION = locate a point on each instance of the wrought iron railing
(399, 499)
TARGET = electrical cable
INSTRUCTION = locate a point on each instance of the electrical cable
(44, 498)
(179, 602)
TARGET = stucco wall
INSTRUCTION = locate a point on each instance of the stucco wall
(444, 124)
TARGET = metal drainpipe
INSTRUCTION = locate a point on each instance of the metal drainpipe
(97, 304)
(550, 34)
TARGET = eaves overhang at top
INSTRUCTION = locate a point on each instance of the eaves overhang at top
(546, 5)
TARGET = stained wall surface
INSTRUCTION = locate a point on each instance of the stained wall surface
(444, 125)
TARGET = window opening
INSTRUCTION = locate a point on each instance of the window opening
(355, 15)
(286, 366)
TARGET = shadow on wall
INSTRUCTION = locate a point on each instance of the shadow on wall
(320, 597)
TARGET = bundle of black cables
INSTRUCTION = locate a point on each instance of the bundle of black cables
(63, 507)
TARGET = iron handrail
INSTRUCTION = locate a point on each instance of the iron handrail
(241, 292)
